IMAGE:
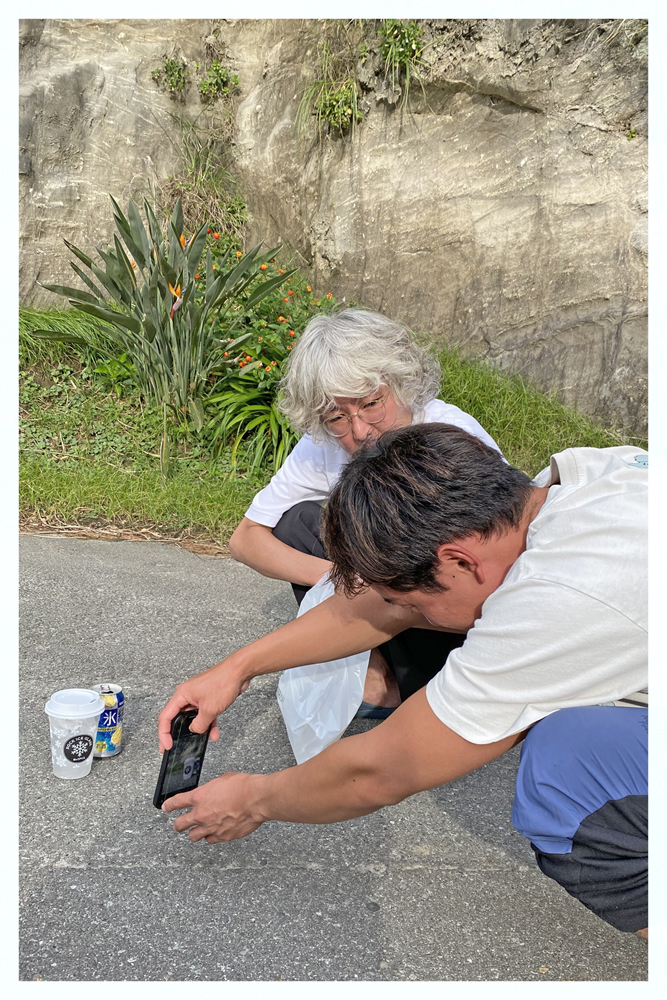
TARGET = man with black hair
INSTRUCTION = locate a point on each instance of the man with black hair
(429, 527)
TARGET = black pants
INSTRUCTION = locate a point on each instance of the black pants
(415, 655)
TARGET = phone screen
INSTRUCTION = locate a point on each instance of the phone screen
(181, 766)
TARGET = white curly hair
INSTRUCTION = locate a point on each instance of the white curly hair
(351, 353)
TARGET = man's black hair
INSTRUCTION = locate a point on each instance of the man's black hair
(409, 492)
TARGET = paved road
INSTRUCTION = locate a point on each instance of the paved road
(439, 887)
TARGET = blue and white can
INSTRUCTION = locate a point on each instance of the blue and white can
(110, 726)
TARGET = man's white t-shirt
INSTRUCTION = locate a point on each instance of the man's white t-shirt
(568, 625)
(310, 470)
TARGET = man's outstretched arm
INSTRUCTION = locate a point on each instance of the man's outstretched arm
(409, 752)
(338, 627)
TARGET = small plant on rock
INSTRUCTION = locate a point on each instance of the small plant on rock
(336, 105)
(401, 49)
(173, 75)
(333, 99)
(217, 82)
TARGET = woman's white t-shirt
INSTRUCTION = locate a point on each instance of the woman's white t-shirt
(311, 469)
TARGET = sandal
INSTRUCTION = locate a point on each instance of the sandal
(368, 711)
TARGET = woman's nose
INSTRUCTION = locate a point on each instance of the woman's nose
(360, 428)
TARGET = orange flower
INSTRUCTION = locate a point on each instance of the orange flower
(238, 253)
(316, 301)
(328, 295)
(263, 267)
(248, 358)
(175, 291)
(208, 230)
(268, 369)
(241, 364)
(197, 277)
(285, 300)
(290, 292)
(307, 288)
(291, 333)
(281, 319)
(274, 362)
(214, 267)
(181, 240)
(280, 270)
(289, 347)
(226, 354)
(260, 338)
(263, 324)
(216, 236)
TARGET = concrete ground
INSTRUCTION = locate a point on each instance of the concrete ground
(439, 887)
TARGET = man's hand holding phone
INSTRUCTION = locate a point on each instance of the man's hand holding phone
(222, 809)
(210, 692)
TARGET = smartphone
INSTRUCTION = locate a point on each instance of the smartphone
(181, 766)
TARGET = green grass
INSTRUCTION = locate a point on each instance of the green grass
(528, 425)
(91, 458)
(88, 457)
(34, 351)
(99, 494)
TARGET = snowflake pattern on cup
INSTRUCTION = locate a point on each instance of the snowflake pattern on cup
(78, 748)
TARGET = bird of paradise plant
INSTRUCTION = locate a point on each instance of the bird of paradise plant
(146, 291)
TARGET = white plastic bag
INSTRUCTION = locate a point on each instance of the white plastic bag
(319, 700)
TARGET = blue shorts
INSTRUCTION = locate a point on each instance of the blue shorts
(582, 801)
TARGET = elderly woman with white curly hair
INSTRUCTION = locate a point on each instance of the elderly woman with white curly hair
(352, 375)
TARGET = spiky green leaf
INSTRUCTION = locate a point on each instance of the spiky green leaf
(125, 261)
(250, 367)
(196, 408)
(138, 230)
(115, 318)
(156, 234)
(88, 261)
(55, 335)
(91, 284)
(267, 287)
(195, 249)
(176, 221)
(71, 293)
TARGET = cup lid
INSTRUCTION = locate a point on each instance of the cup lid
(74, 703)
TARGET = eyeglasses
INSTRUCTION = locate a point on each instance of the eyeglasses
(371, 412)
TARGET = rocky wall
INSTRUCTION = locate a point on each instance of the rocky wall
(504, 208)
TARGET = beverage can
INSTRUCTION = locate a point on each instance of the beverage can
(110, 726)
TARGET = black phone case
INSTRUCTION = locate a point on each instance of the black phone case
(178, 724)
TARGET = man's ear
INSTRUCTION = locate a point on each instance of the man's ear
(454, 559)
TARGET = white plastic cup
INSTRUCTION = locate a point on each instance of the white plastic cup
(74, 715)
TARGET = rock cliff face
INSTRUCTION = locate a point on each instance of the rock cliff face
(503, 209)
